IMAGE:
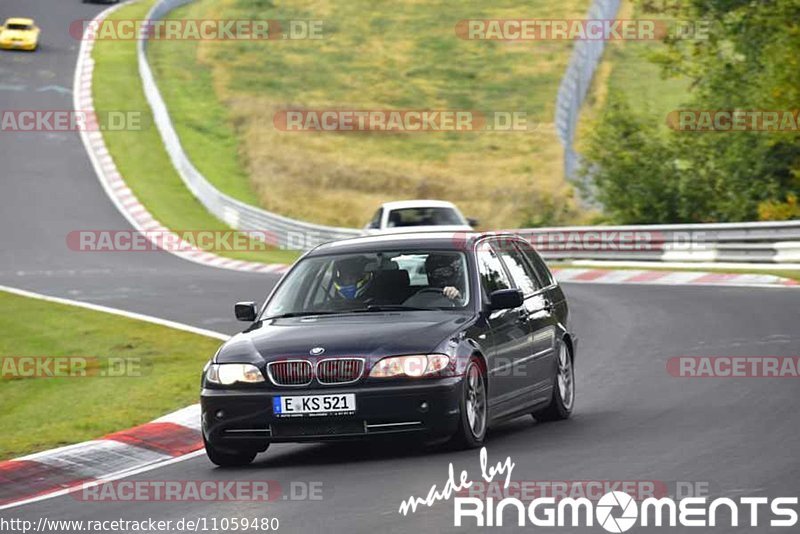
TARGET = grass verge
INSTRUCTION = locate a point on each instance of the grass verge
(140, 155)
(42, 413)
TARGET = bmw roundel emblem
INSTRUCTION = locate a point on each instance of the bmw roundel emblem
(316, 351)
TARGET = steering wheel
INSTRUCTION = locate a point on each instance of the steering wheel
(438, 291)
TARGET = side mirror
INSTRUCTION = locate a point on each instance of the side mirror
(473, 222)
(504, 299)
(245, 311)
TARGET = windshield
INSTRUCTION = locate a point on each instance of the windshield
(401, 280)
(18, 27)
(424, 217)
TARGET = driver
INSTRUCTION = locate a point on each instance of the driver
(444, 272)
(350, 280)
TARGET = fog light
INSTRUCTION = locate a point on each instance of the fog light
(423, 407)
(220, 414)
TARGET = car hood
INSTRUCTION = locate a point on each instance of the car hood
(369, 335)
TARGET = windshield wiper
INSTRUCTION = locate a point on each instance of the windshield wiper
(392, 307)
(370, 308)
(299, 314)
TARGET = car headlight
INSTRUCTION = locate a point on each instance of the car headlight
(414, 366)
(230, 373)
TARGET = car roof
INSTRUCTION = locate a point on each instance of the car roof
(19, 21)
(402, 204)
(410, 240)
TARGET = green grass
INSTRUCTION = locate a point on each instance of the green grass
(223, 96)
(641, 83)
(140, 155)
(42, 413)
(628, 72)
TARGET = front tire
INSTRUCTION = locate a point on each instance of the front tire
(474, 405)
(227, 459)
(563, 398)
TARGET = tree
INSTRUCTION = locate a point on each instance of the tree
(749, 62)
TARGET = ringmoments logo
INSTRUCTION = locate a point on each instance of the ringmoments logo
(615, 511)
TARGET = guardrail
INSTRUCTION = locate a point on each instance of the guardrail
(755, 242)
(575, 84)
(285, 232)
(762, 242)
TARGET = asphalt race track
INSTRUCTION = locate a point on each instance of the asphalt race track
(633, 420)
(48, 188)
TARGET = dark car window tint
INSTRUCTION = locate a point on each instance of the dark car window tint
(339, 283)
(544, 274)
(493, 276)
(376, 219)
(423, 217)
(520, 269)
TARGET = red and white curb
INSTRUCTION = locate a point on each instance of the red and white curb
(114, 184)
(71, 468)
(672, 278)
(168, 439)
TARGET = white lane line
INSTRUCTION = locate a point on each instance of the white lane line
(116, 311)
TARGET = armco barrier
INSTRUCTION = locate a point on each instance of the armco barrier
(762, 242)
(754, 242)
(575, 84)
(289, 233)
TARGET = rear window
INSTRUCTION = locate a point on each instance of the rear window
(19, 27)
(423, 217)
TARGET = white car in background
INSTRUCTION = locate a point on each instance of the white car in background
(418, 216)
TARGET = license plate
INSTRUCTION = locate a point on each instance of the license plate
(314, 405)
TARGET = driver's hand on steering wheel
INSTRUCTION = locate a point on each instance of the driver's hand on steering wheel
(451, 292)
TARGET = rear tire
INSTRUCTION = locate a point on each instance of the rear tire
(474, 408)
(227, 459)
(563, 398)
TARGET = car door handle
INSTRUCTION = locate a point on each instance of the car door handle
(548, 306)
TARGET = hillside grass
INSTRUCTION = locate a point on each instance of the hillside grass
(223, 96)
(628, 72)
(140, 155)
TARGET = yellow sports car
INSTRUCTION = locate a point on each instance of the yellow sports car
(19, 34)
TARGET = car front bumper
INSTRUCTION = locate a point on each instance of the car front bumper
(17, 45)
(238, 419)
